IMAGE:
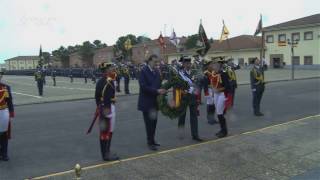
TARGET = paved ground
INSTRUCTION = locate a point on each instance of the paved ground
(279, 152)
(25, 91)
(50, 137)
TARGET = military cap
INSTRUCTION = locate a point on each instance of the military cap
(184, 59)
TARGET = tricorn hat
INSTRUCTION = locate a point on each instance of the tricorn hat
(105, 65)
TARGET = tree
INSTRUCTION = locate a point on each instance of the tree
(142, 39)
(86, 52)
(98, 44)
(191, 41)
(120, 44)
(46, 57)
(63, 55)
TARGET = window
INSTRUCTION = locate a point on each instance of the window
(270, 39)
(308, 60)
(282, 38)
(308, 35)
(241, 61)
(296, 60)
(295, 37)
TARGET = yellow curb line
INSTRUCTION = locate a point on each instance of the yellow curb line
(173, 150)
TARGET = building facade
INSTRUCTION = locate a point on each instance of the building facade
(306, 31)
(242, 49)
(22, 62)
(142, 50)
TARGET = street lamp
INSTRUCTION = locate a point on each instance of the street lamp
(292, 44)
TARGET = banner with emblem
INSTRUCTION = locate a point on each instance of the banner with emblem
(224, 33)
(203, 45)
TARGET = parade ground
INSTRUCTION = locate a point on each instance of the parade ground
(25, 89)
(50, 138)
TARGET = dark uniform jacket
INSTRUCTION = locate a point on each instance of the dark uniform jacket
(257, 77)
(105, 92)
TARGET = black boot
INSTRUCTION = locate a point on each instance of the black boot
(108, 155)
(103, 148)
(4, 147)
(210, 114)
(223, 125)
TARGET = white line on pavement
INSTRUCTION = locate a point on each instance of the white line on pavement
(27, 95)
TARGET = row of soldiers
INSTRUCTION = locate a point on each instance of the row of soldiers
(122, 70)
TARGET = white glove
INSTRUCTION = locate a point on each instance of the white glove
(254, 90)
(191, 89)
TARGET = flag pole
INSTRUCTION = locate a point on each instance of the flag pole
(262, 41)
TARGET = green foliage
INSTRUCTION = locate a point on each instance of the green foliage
(46, 57)
(142, 39)
(63, 54)
(175, 81)
(192, 41)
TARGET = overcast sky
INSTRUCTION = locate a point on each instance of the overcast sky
(25, 24)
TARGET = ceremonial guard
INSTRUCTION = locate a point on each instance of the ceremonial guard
(85, 75)
(192, 96)
(93, 76)
(230, 69)
(126, 76)
(53, 76)
(150, 83)
(208, 92)
(257, 86)
(6, 114)
(105, 101)
(39, 77)
(220, 85)
(71, 75)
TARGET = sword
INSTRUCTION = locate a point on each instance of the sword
(96, 114)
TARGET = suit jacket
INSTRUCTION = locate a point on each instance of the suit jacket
(149, 82)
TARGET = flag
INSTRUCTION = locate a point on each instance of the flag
(127, 44)
(173, 39)
(203, 45)
(224, 33)
(161, 41)
(259, 27)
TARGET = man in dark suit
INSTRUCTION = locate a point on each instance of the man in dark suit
(191, 95)
(150, 83)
